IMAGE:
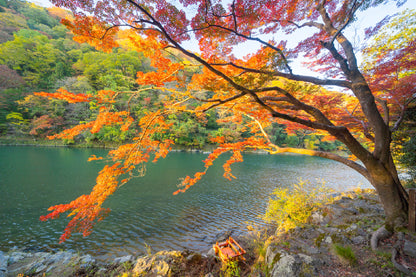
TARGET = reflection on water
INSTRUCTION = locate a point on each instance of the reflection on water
(144, 212)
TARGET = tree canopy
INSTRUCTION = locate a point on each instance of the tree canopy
(253, 92)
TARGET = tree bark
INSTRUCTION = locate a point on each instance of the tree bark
(392, 196)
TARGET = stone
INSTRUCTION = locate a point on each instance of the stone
(151, 265)
(328, 240)
(157, 264)
(311, 250)
(121, 260)
(42, 255)
(36, 267)
(352, 228)
(17, 256)
(273, 254)
(62, 257)
(318, 218)
(410, 248)
(295, 265)
(86, 261)
(3, 264)
(358, 240)
(211, 253)
(194, 258)
(40, 268)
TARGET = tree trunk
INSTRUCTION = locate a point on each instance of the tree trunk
(392, 196)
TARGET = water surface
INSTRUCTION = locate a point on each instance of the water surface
(144, 213)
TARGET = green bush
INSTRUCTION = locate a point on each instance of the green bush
(292, 207)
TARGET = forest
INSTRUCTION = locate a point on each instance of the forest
(38, 53)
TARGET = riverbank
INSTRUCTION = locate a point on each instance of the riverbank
(336, 242)
(21, 141)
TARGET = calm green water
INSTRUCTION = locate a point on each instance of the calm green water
(144, 212)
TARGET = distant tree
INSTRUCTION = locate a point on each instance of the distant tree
(35, 58)
(9, 78)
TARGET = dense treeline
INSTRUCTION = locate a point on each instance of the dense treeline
(37, 53)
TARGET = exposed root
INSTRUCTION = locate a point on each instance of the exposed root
(378, 235)
(396, 252)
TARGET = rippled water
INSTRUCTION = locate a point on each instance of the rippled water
(145, 214)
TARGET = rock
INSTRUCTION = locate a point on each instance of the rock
(121, 260)
(17, 256)
(157, 264)
(101, 271)
(273, 254)
(332, 230)
(211, 253)
(295, 265)
(328, 240)
(311, 250)
(338, 211)
(40, 268)
(59, 257)
(317, 218)
(352, 228)
(3, 265)
(194, 258)
(86, 261)
(410, 248)
(358, 240)
(209, 275)
(37, 266)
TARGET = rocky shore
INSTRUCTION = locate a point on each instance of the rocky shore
(336, 242)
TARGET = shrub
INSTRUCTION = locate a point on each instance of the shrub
(292, 207)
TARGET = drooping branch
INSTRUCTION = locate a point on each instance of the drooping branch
(278, 150)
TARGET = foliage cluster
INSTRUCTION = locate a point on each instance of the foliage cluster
(40, 54)
(292, 207)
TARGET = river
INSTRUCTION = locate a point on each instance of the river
(145, 215)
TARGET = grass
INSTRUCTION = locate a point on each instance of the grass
(344, 253)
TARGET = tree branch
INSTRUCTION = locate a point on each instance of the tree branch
(293, 77)
(282, 55)
(402, 114)
(278, 150)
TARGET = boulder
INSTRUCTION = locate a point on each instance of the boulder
(358, 240)
(155, 265)
(409, 248)
(3, 264)
(124, 259)
(86, 261)
(273, 254)
(17, 256)
(293, 265)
